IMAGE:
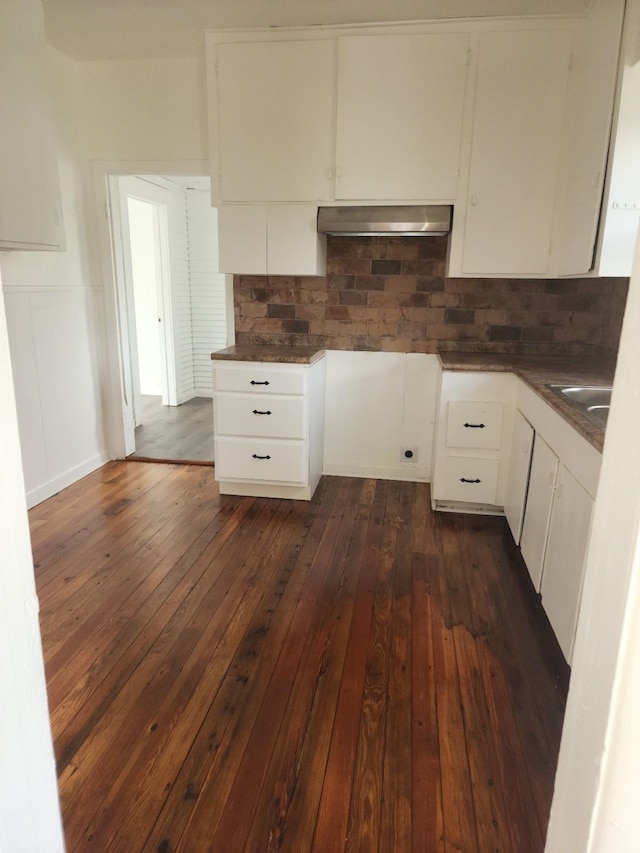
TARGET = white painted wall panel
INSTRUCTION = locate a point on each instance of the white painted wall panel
(376, 404)
(29, 811)
(55, 316)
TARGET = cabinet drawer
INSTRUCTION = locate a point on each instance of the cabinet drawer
(262, 461)
(469, 479)
(259, 378)
(474, 425)
(268, 416)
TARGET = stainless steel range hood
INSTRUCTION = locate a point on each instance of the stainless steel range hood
(401, 220)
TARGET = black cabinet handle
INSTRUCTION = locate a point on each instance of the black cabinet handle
(253, 382)
(255, 456)
(464, 480)
(474, 426)
(257, 412)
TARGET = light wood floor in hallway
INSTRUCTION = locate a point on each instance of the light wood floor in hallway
(234, 674)
(175, 433)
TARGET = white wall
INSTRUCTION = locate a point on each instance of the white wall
(595, 805)
(55, 321)
(377, 403)
(143, 110)
(29, 811)
(620, 218)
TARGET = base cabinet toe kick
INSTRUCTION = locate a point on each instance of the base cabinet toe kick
(501, 449)
(268, 427)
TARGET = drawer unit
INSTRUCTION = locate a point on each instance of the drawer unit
(474, 426)
(472, 480)
(268, 427)
(270, 416)
(262, 461)
(471, 424)
(260, 378)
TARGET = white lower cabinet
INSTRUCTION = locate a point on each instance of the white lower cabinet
(558, 497)
(518, 478)
(566, 550)
(474, 423)
(535, 528)
(268, 428)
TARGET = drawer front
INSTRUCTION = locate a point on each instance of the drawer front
(259, 378)
(469, 479)
(268, 416)
(262, 461)
(475, 425)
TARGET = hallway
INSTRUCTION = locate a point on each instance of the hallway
(175, 433)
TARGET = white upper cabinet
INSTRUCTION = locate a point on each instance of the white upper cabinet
(275, 120)
(399, 116)
(270, 239)
(521, 94)
(30, 206)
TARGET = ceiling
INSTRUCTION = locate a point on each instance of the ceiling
(141, 29)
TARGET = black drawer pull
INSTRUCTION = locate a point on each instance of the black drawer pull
(253, 382)
(258, 412)
(464, 480)
(474, 426)
(255, 456)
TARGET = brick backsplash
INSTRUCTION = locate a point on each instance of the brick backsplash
(390, 294)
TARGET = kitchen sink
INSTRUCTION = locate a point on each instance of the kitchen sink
(592, 400)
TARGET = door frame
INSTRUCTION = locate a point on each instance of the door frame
(120, 427)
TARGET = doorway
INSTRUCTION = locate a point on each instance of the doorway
(173, 309)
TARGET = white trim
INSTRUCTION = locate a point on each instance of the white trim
(52, 487)
(409, 473)
(101, 170)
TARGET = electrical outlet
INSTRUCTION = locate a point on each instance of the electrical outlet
(408, 454)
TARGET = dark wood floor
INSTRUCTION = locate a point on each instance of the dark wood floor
(237, 674)
(175, 433)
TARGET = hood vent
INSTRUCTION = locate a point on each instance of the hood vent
(400, 220)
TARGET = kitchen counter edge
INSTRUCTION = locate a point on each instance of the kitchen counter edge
(269, 354)
(538, 372)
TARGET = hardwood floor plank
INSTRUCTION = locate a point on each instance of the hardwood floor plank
(132, 710)
(228, 720)
(233, 830)
(459, 818)
(331, 831)
(252, 630)
(355, 672)
(287, 804)
(366, 793)
(492, 817)
(426, 785)
(142, 628)
(396, 796)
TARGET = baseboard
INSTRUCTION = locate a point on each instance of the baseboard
(408, 473)
(205, 391)
(52, 487)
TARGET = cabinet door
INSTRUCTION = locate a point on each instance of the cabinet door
(516, 140)
(274, 239)
(544, 467)
(275, 120)
(294, 246)
(516, 492)
(564, 561)
(242, 238)
(30, 206)
(400, 108)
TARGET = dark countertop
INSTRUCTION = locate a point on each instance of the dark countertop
(539, 372)
(271, 354)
